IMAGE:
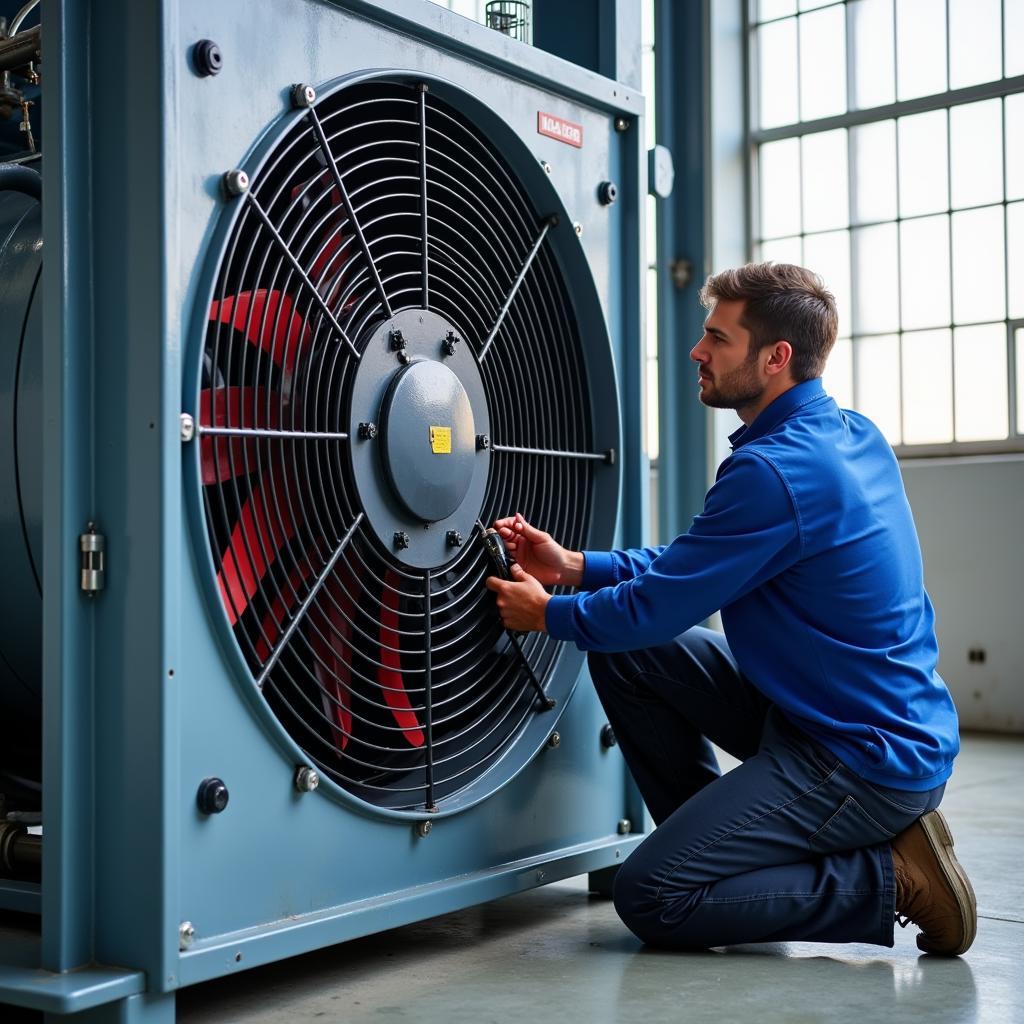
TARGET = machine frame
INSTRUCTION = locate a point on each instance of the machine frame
(135, 148)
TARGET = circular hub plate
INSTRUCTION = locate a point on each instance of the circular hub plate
(429, 442)
(421, 475)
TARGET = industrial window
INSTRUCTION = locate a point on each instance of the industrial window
(887, 142)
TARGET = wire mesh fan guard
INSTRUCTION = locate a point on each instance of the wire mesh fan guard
(382, 237)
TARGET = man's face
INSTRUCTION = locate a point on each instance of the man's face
(730, 375)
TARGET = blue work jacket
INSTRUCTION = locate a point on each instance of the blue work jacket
(807, 545)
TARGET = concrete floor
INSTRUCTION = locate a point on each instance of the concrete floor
(558, 955)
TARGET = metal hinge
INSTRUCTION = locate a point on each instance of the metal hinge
(92, 547)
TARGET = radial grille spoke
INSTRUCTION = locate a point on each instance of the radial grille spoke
(285, 435)
(313, 591)
(425, 231)
(428, 690)
(606, 457)
(297, 267)
(515, 288)
(349, 209)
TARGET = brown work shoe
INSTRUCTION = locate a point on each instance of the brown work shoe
(932, 889)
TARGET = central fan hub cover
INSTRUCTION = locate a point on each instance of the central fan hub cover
(420, 475)
(429, 441)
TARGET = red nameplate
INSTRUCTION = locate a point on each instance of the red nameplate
(558, 128)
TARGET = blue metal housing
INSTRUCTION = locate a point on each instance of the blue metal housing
(142, 697)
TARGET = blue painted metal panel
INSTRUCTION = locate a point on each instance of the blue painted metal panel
(70, 992)
(24, 897)
(683, 233)
(67, 493)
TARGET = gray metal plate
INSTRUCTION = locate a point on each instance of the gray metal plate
(391, 486)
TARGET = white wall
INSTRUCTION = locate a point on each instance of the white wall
(970, 518)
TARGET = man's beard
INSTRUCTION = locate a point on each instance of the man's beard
(733, 390)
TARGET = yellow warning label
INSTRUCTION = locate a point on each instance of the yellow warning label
(441, 440)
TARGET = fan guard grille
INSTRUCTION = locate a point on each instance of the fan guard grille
(381, 200)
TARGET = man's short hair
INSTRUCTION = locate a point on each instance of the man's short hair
(783, 302)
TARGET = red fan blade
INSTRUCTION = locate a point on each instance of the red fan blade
(390, 677)
(333, 671)
(259, 529)
(268, 319)
(235, 407)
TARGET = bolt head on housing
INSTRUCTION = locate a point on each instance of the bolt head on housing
(607, 193)
(303, 95)
(367, 431)
(188, 427)
(450, 341)
(186, 935)
(621, 124)
(555, 740)
(401, 540)
(236, 183)
(423, 828)
(306, 778)
(207, 58)
(483, 442)
(608, 739)
(625, 827)
(453, 538)
(212, 796)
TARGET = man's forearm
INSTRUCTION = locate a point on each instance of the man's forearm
(572, 574)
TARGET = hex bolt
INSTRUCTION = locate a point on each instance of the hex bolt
(625, 827)
(236, 183)
(188, 428)
(423, 828)
(207, 58)
(367, 431)
(621, 124)
(306, 778)
(451, 339)
(401, 540)
(453, 538)
(186, 935)
(554, 740)
(212, 796)
(607, 193)
(608, 739)
(546, 166)
(303, 95)
(398, 342)
(483, 442)
(577, 227)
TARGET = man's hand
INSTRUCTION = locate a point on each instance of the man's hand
(540, 555)
(522, 601)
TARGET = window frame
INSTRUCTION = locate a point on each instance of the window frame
(999, 88)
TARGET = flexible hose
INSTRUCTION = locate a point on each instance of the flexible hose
(17, 178)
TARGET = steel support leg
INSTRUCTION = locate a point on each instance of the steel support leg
(141, 1009)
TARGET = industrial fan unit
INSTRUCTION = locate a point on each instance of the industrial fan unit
(263, 402)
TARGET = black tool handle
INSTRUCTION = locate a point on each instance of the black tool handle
(497, 553)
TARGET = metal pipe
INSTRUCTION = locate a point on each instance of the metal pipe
(21, 854)
(21, 16)
(18, 178)
(22, 49)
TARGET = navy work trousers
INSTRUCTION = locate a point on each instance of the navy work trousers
(790, 845)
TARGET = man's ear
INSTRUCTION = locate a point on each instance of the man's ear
(780, 354)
